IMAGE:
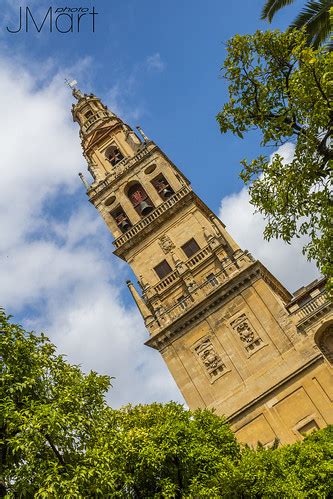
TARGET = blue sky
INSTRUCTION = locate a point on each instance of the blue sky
(157, 64)
(175, 102)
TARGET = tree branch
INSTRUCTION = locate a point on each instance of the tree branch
(320, 87)
(55, 450)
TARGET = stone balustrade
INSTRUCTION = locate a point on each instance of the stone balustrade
(198, 257)
(312, 307)
(95, 117)
(191, 263)
(195, 296)
(180, 308)
(164, 283)
(153, 215)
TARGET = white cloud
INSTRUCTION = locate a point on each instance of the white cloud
(155, 62)
(285, 261)
(56, 270)
(117, 100)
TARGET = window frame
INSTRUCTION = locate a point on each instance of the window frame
(111, 149)
(156, 269)
(190, 241)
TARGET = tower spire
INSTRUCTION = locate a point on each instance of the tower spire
(106, 140)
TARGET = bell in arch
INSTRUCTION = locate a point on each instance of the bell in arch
(167, 192)
(124, 225)
(145, 208)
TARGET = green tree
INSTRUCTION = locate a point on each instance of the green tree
(166, 451)
(58, 437)
(298, 471)
(314, 17)
(283, 88)
(48, 415)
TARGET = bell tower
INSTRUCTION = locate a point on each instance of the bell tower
(224, 325)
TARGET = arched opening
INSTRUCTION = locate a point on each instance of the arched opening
(114, 155)
(121, 219)
(88, 114)
(162, 186)
(140, 199)
(324, 340)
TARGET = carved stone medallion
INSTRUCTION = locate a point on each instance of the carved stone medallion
(246, 333)
(209, 358)
(166, 244)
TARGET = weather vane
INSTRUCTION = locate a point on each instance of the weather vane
(72, 85)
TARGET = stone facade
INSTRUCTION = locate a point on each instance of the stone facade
(232, 336)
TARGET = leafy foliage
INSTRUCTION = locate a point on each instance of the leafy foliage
(302, 470)
(59, 439)
(48, 410)
(314, 17)
(283, 88)
(161, 451)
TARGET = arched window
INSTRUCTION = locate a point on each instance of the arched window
(114, 155)
(121, 219)
(140, 199)
(324, 342)
(162, 186)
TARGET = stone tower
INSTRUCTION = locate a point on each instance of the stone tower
(232, 336)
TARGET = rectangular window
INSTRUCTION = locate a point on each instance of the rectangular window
(183, 301)
(212, 280)
(163, 269)
(190, 247)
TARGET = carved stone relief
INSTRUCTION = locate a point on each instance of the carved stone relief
(247, 333)
(209, 358)
(325, 343)
(166, 244)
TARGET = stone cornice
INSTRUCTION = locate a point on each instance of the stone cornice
(224, 293)
(275, 285)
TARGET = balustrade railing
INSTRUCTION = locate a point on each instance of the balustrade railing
(198, 293)
(311, 307)
(153, 215)
(94, 118)
(191, 262)
(180, 307)
(166, 281)
(198, 257)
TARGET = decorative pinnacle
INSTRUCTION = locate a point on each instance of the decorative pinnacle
(142, 133)
(84, 180)
(144, 310)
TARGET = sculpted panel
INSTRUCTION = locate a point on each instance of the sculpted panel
(166, 244)
(209, 358)
(247, 333)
